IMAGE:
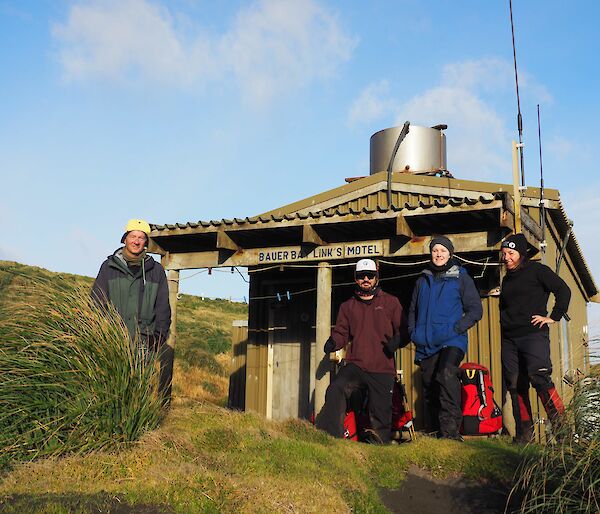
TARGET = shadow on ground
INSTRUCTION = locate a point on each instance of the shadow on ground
(420, 493)
(103, 502)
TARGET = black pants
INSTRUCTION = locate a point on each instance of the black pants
(351, 378)
(442, 391)
(525, 361)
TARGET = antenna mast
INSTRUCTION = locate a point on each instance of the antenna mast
(519, 117)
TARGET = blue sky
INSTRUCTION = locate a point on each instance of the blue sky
(182, 110)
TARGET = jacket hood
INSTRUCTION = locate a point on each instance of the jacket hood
(453, 272)
(117, 259)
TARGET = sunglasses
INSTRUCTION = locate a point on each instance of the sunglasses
(361, 275)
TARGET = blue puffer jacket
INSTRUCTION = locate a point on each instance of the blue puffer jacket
(443, 307)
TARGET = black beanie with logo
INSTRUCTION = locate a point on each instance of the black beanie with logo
(516, 242)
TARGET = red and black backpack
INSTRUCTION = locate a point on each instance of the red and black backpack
(481, 414)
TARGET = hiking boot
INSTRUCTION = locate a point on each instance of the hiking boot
(372, 437)
(525, 433)
(453, 437)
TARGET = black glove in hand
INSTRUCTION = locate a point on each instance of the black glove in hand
(391, 344)
(329, 346)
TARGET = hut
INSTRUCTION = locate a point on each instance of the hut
(300, 257)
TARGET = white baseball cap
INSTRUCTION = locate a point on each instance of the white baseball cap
(366, 265)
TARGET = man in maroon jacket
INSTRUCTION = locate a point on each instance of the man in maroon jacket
(371, 326)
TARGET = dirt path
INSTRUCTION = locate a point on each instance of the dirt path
(421, 493)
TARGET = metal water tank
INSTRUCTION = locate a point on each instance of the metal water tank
(423, 150)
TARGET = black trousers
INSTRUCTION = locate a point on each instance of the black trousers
(351, 378)
(525, 361)
(442, 391)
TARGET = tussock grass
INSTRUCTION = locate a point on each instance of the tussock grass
(565, 477)
(71, 381)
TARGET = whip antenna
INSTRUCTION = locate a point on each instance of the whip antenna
(519, 117)
(542, 199)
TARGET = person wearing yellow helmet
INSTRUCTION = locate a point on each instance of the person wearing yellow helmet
(136, 285)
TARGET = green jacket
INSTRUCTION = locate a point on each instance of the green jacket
(142, 299)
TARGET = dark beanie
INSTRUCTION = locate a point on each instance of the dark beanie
(441, 240)
(516, 242)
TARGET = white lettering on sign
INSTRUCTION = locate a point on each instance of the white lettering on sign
(338, 251)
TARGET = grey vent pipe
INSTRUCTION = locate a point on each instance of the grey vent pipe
(401, 137)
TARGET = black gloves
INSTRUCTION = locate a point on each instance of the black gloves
(391, 344)
(329, 345)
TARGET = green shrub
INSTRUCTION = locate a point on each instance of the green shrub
(71, 380)
(564, 477)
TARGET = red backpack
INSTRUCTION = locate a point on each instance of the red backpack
(481, 415)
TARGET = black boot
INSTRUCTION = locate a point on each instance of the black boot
(525, 433)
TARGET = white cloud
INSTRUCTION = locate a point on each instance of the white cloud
(559, 147)
(277, 44)
(112, 37)
(488, 74)
(476, 135)
(373, 103)
(271, 46)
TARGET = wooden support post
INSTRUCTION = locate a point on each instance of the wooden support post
(322, 363)
(167, 354)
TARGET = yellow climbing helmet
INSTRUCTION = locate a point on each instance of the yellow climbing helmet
(140, 225)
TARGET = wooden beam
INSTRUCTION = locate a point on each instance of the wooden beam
(309, 235)
(535, 202)
(469, 242)
(527, 222)
(463, 243)
(154, 247)
(402, 228)
(507, 220)
(225, 242)
(531, 225)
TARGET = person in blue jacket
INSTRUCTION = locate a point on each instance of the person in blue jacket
(445, 304)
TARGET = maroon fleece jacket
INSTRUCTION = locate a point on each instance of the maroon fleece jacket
(363, 326)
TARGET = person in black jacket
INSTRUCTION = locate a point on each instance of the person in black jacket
(445, 304)
(525, 336)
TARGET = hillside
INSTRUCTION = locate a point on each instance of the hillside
(203, 333)
(205, 458)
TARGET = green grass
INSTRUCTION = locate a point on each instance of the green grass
(208, 459)
(205, 458)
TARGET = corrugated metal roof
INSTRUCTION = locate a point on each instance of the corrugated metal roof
(328, 213)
